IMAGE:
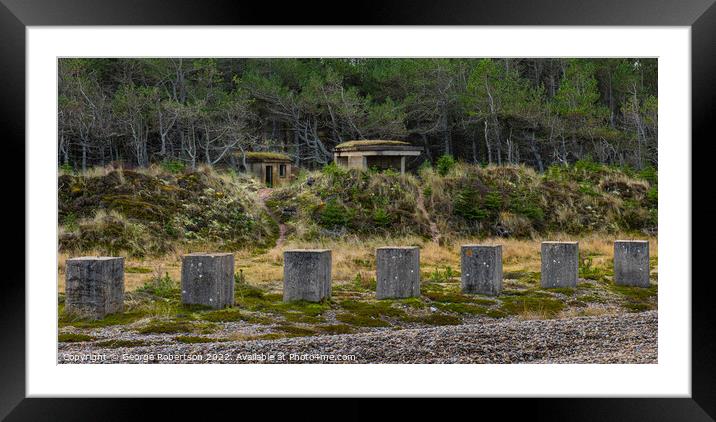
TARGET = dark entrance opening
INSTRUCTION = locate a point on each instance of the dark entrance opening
(383, 162)
(269, 176)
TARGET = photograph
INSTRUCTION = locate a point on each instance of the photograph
(357, 210)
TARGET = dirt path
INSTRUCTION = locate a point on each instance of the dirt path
(434, 232)
(263, 195)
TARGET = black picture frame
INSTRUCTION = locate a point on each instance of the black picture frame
(16, 15)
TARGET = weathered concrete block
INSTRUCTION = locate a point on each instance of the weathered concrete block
(560, 264)
(94, 285)
(631, 263)
(397, 272)
(208, 279)
(306, 275)
(481, 269)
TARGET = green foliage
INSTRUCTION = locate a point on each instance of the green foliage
(173, 166)
(334, 215)
(333, 169)
(166, 327)
(652, 196)
(70, 221)
(161, 286)
(198, 339)
(73, 337)
(137, 270)
(580, 103)
(445, 164)
(493, 201)
(367, 314)
(587, 165)
(545, 306)
(435, 319)
(588, 271)
(467, 204)
(636, 299)
(382, 218)
(118, 343)
(446, 276)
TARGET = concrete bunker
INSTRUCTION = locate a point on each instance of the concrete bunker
(272, 168)
(378, 154)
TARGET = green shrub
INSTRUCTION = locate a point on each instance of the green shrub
(66, 168)
(445, 276)
(466, 205)
(493, 201)
(162, 286)
(173, 166)
(382, 218)
(652, 196)
(588, 271)
(649, 174)
(587, 165)
(334, 215)
(333, 169)
(445, 164)
(70, 222)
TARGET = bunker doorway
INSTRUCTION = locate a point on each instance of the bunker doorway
(269, 176)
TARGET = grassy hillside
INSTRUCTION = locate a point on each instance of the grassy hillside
(470, 200)
(155, 211)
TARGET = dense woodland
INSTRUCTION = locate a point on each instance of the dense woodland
(536, 112)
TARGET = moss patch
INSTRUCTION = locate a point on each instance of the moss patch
(137, 270)
(294, 330)
(232, 315)
(435, 319)
(166, 327)
(198, 339)
(73, 338)
(115, 344)
(361, 320)
(525, 304)
(463, 308)
(335, 329)
(265, 155)
(113, 319)
(636, 299)
(376, 142)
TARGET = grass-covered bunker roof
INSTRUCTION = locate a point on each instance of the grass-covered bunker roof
(364, 145)
(264, 156)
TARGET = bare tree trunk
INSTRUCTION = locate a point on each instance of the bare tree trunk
(535, 152)
(84, 156)
(487, 145)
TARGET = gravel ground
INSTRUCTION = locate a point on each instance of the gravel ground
(625, 338)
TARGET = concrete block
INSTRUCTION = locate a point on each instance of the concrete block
(631, 263)
(94, 286)
(560, 264)
(397, 272)
(307, 275)
(208, 279)
(481, 269)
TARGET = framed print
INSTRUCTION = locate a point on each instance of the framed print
(448, 203)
